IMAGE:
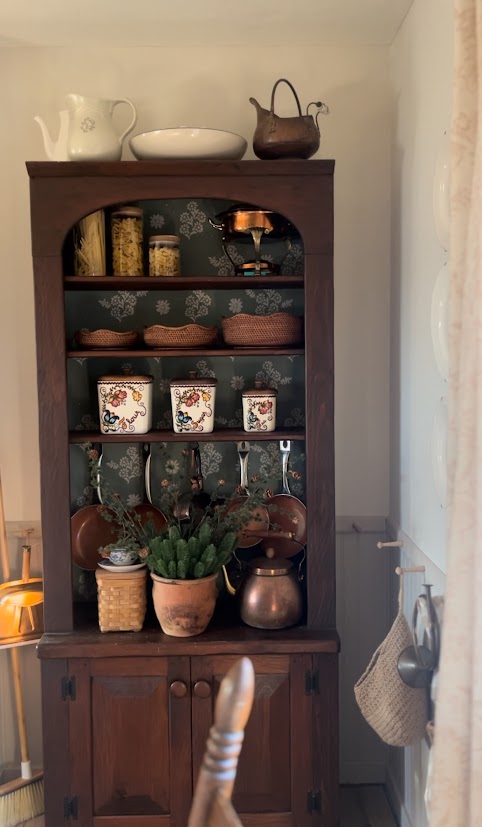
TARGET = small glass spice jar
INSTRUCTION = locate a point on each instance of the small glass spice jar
(126, 224)
(164, 256)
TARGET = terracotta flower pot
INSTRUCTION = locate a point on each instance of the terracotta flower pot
(184, 607)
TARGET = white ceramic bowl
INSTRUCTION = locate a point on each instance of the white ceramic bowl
(185, 142)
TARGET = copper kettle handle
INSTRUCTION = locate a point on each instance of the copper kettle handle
(283, 80)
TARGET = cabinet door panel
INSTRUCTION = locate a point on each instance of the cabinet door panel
(267, 764)
(135, 741)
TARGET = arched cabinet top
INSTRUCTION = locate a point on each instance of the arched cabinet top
(64, 192)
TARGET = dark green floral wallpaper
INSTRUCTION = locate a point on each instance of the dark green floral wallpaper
(201, 254)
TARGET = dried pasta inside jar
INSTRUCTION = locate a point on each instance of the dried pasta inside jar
(89, 245)
(126, 223)
(164, 256)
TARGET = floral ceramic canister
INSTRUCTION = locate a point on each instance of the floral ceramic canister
(259, 408)
(192, 402)
(125, 404)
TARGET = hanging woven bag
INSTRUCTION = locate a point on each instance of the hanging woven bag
(396, 712)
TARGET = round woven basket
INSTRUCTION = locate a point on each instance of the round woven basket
(190, 335)
(106, 338)
(276, 330)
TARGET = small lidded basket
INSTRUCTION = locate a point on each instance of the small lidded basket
(121, 600)
(164, 255)
(192, 403)
(259, 408)
(125, 404)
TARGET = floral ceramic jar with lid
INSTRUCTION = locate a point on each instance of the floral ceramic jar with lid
(125, 404)
(259, 408)
(192, 403)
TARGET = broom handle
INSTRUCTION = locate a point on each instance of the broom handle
(3, 540)
(22, 729)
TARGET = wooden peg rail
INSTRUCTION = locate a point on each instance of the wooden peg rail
(400, 570)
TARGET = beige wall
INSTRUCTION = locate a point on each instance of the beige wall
(212, 87)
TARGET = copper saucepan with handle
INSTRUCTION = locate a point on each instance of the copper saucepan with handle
(89, 530)
(287, 513)
(259, 521)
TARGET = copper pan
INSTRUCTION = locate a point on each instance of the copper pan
(287, 513)
(240, 220)
(89, 530)
(249, 537)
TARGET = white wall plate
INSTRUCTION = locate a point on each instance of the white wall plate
(439, 321)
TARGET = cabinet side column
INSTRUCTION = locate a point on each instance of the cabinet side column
(55, 741)
(54, 443)
(320, 459)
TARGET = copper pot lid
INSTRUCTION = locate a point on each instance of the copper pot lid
(270, 568)
(260, 390)
(194, 379)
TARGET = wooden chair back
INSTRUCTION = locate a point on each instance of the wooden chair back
(211, 806)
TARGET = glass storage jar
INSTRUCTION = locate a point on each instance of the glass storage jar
(89, 245)
(126, 223)
(164, 255)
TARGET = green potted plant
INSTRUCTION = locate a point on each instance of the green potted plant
(186, 559)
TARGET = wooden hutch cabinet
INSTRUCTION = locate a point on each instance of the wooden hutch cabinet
(126, 715)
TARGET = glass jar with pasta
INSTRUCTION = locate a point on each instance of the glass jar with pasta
(89, 245)
(127, 258)
(164, 256)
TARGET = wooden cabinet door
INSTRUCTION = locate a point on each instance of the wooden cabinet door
(275, 766)
(130, 741)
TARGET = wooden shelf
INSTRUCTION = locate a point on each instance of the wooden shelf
(219, 435)
(179, 282)
(155, 352)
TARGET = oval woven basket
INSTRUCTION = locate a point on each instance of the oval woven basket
(106, 338)
(275, 330)
(189, 335)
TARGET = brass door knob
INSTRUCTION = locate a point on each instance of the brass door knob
(178, 689)
(202, 689)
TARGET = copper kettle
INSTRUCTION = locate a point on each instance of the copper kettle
(276, 137)
(270, 595)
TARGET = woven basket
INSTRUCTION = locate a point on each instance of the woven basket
(190, 335)
(276, 330)
(396, 712)
(106, 338)
(121, 600)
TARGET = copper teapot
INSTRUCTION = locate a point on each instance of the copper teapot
(270, 595)
(276, 137)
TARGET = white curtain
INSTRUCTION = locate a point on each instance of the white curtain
(457, 758)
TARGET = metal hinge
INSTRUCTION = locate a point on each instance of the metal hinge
(312, 683)
(68, 688)
(71, 807)
(313, 802)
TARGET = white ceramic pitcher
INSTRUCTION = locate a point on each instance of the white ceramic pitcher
(92, 136)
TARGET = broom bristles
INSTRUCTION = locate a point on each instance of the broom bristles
(21, 804)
